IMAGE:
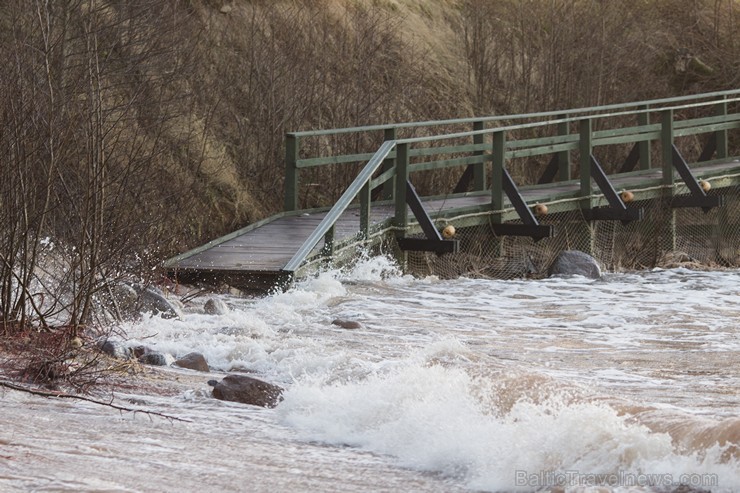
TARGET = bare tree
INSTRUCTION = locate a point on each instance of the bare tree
(95, 88)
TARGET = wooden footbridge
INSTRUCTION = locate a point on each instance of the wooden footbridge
(599, 160)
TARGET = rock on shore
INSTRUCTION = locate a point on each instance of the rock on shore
(573, 262)
(193, 361)
(248, 390)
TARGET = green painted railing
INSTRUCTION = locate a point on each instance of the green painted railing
(294, 161)
(393, 162)
(325, 228)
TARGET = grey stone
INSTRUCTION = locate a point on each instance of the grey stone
(140, 351)
(248, 390)
(115, 349)
(153, 358)
(573, 262)
(153, 300)
(347, 324)
(124, 299)
(215, 306)
(193, 361)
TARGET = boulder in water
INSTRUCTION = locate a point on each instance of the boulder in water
(123, 300)
(193, 361)
(248, 390)
(116, 349)
(153, 300)
(573, 262)
(153, 358)
(347, 324)
(215, 306)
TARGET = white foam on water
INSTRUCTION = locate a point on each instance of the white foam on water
(410, 383)
(429, 418)
(262, 335)
(373, 269)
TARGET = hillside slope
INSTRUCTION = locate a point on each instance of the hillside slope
(170, 115)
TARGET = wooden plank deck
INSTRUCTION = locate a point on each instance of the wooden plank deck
(256, 257)
(270, 247)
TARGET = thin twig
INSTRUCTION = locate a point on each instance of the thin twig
(44, 393)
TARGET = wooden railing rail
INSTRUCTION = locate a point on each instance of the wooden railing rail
(561, 119)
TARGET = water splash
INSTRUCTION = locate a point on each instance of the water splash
(429, 418)
(503, 385)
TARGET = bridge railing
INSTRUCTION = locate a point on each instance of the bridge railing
(298, 160)
(390, 167)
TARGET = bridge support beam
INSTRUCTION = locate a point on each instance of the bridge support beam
(503, 183)
(328, 251)
(632, 159)
(531, 226)
(717, 141)
(617, 210)
(433, 241)
(709, 148)
(697, 196)
(406, 196)
(292, 143)
(388, 163)
(365, 204)
(402, 176)
(587, 232)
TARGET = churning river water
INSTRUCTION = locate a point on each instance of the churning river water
(627, 383)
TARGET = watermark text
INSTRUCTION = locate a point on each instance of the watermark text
(545, 479)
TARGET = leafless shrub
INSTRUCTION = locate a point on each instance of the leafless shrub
(531, 55)
(90, 89)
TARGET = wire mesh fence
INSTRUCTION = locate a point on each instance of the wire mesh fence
(665, 237)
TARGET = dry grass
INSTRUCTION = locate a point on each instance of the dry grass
(56, 359)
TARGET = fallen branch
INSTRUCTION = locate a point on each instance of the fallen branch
(45, 393)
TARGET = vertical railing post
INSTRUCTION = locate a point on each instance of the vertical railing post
(328, 250)
(497, 179)
(587, 232)
(365, 211)
(563, 156)
(585, 147)
(402, 176)
(721, 110)
(666, 142)
(388, 163)
(479, 169)
(643, 119)
(668, 241)
(292, 144)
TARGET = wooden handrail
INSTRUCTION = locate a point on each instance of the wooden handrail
(340, 206)
(643, 109)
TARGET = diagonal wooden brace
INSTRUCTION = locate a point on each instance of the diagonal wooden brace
(531, 226)
(551, 171)
(617, 210)
(433, 241)
(697, 196)
(525, 214)
(632, 159)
